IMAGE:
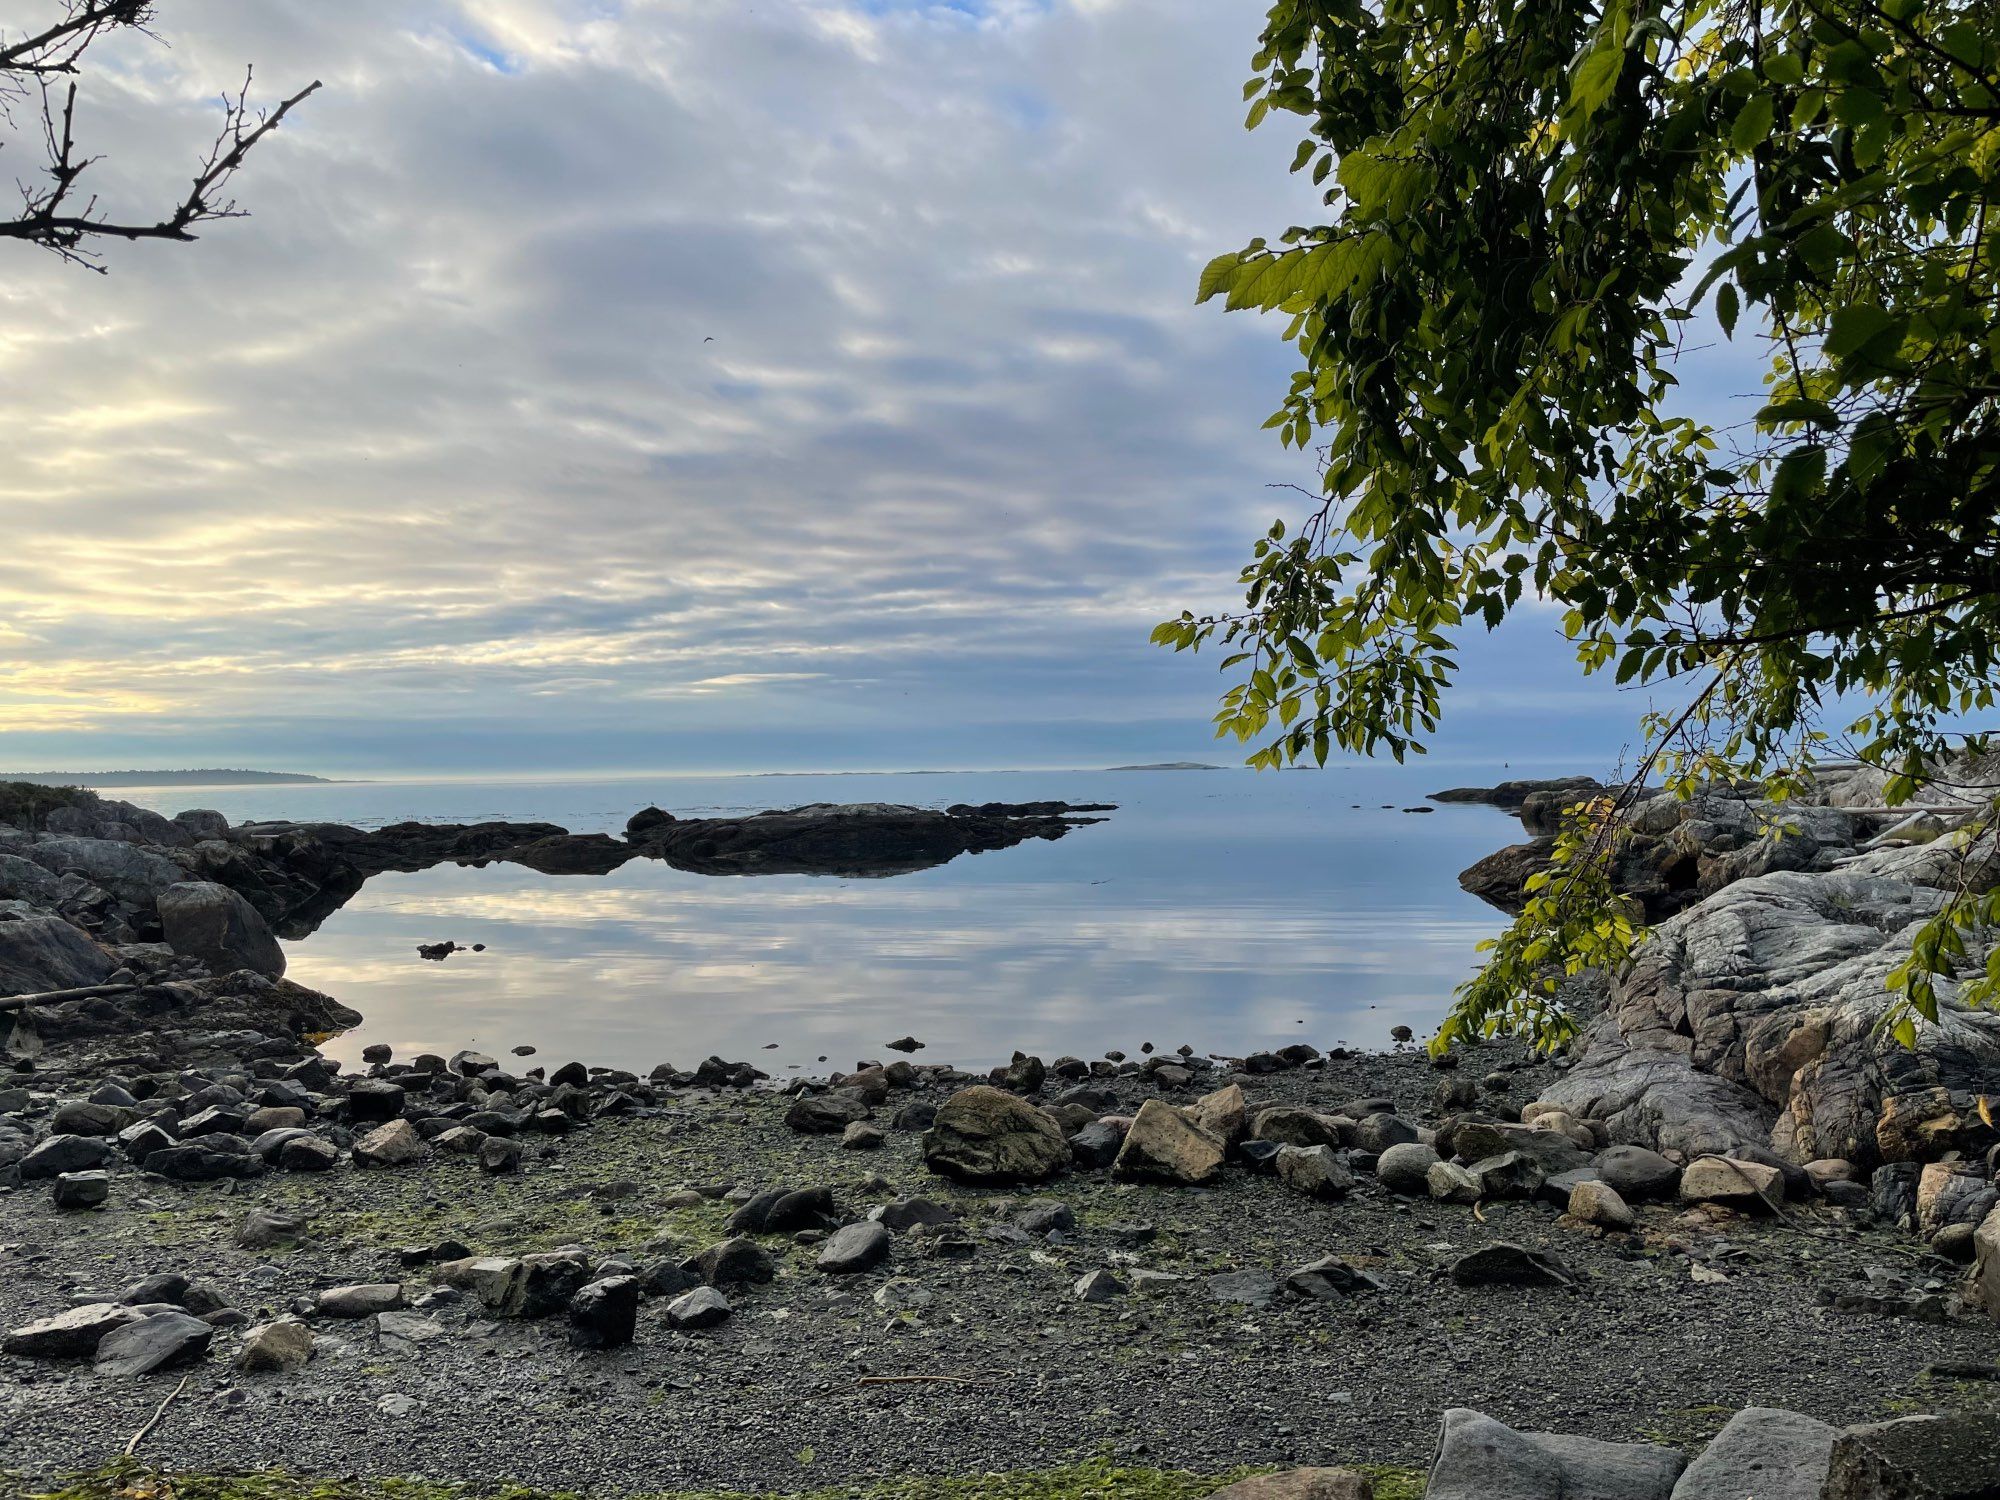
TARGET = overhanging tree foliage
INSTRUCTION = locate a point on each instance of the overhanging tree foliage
(1532, 207)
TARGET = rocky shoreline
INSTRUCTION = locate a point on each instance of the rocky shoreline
(690, 1278)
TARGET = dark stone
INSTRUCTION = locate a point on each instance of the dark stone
(825, 1114)
(855, 1248)
(78, 1190)
(65, 1153)
(202, 1161)
(1953, 1456)
(1096, 1145)
(1330, 1277)
(604, 1314)
(907, 1213)
(1504, 1263)
(374, 1100)
(1637, 1173)
(733, 1262)
(154, 1343)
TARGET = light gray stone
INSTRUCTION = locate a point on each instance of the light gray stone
(1761, 1452)
(1479, 1458)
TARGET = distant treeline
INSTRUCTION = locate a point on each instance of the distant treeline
(153, 778)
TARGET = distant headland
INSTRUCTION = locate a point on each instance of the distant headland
(1171, 765)
(162, 778)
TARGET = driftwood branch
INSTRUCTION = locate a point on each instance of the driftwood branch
(57, 997)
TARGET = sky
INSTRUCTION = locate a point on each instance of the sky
(665, 384)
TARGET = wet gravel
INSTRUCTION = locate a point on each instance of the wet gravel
(789, 1394)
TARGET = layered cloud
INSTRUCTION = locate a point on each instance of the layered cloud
(598, 382)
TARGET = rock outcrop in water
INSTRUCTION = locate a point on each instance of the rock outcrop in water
(185, 912)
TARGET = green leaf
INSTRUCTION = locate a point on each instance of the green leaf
(1753, 123)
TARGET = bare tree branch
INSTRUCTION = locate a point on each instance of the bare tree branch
(53, 214)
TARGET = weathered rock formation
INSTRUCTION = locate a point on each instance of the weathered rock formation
(1749, 1023)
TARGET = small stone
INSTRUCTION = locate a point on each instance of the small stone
(905, 1214)
(1504, 1263)
(1315, 1171)
(499, 1282)
(862, 1136)
(1405, 1168)
(1448, 1182)
(362, 1301)
(1598, 1203)
(77, 1190)
(153, 1343)
(280, 1345)
(1222, 1113)
(855, 1248)
(734, 1262)
(826, 1114)
(1164, 1145)
(603, 1314)
(267, 1228)
(65, 1153)
(375, 1100)
(500, 1156)
(704, 1307)
(1289, 1125)
(308, 1154)
(69, 1334)
(1733, 1183)
(395, 1144)
(1098, 1286)
(1636, 1173)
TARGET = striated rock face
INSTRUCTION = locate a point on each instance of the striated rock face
(1748, 1025)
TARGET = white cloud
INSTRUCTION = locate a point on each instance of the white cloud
(589, 362)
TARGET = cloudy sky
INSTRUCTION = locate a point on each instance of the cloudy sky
(607, 384)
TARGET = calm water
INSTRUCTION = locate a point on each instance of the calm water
(1224, 909)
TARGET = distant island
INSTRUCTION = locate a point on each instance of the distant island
(1171, 765)
(161, 778)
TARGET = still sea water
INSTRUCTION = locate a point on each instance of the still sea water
(1229, 910)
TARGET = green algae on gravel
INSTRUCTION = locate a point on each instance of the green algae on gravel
(1095, 1480)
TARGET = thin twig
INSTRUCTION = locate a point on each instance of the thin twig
(141, 1435)
(922, 1380)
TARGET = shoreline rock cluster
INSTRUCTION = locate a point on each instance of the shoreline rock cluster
(1750, 1023)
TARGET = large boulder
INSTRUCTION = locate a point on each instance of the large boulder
(46, 953)
(132, 874)
(1166, 1145)
(1984, 1286)
(1761, 1452)
(1929, 1457)
(986, 1135)
(1481, 1459)
(1749, 1024)
(212, 923)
